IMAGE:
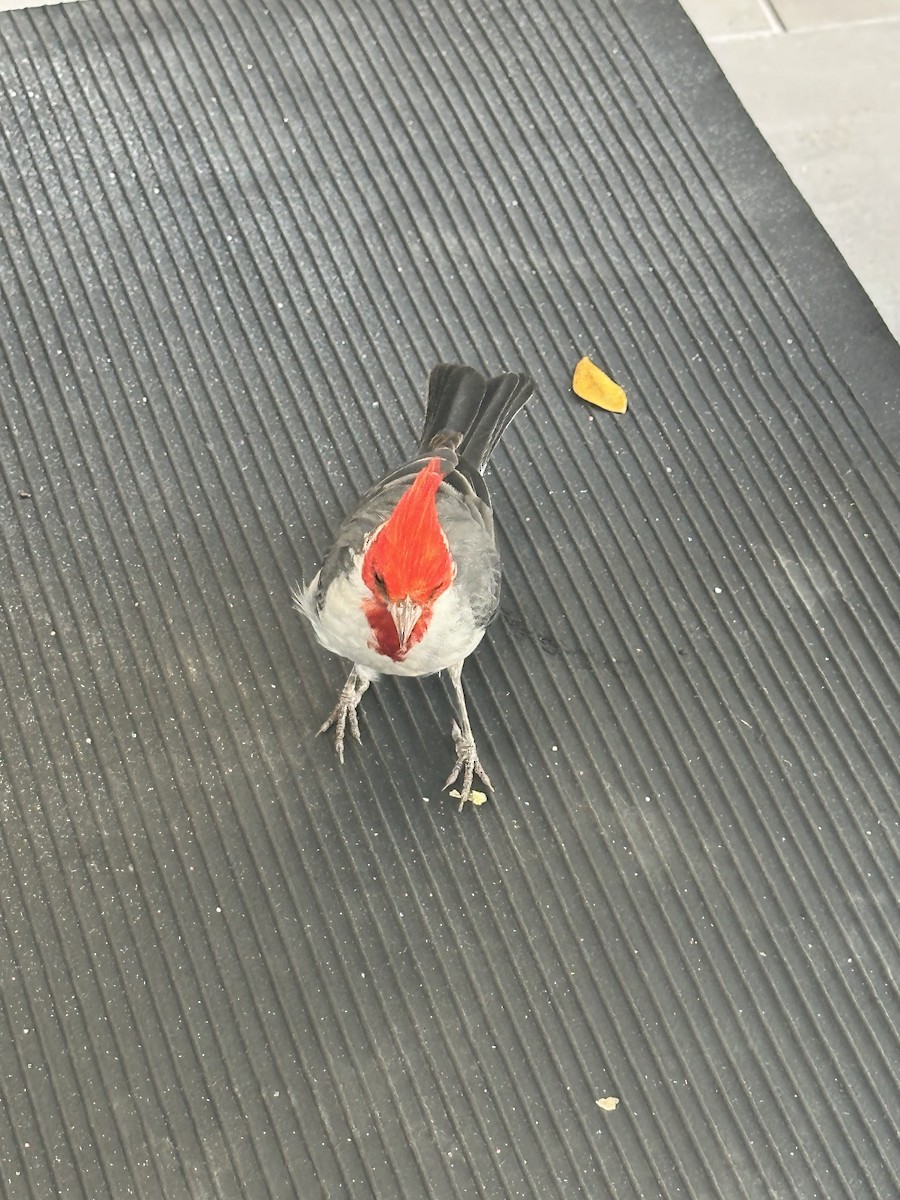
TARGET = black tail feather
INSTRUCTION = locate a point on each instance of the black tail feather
(468, 412)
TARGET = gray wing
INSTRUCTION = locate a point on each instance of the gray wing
(469, 527)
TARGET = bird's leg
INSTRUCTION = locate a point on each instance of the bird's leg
(466, 754)
(344, 713)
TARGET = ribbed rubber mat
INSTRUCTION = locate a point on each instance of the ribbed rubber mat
(235, 239)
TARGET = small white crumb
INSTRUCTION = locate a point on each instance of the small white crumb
(608, 1103)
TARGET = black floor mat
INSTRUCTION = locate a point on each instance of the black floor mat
(235, 238)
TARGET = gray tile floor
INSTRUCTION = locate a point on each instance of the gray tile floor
(821, 79)
(6, 5)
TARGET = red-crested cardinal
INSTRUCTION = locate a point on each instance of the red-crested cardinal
(413, 577)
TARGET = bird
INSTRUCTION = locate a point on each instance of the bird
(412, 579)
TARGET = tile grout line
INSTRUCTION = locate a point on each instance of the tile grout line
(718, 39)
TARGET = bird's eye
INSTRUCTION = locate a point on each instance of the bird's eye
(378, 581)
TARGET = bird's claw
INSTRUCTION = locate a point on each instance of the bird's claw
(468, 763)
(343, 715)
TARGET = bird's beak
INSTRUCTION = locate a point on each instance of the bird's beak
(405, 614)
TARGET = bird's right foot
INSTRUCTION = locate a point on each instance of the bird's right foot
(344, 712)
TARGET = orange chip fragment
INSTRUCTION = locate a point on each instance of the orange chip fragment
(590, 383)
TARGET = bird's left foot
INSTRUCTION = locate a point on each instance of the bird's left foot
(466, 762)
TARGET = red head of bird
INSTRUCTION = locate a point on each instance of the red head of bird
(407, 565)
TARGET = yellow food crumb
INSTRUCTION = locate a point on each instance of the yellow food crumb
(590, 383)
(608, 1103)
(475, 797)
